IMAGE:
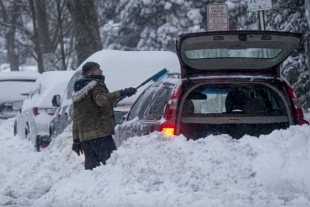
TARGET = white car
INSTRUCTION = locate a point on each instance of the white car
(15, 87)
(37, 110)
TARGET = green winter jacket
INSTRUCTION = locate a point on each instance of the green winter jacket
(93, 114)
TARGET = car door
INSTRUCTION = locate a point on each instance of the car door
(129, 127)
(65, 112)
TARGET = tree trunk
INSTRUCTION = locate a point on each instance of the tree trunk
(86, 27)
(10, 22)
(61, 37)
(35, 37)
(45, 44)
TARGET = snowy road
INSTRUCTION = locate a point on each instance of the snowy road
(157, 171)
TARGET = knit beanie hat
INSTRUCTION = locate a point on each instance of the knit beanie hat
(88, 67)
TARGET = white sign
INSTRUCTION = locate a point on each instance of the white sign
(218, 17)
(258, 5)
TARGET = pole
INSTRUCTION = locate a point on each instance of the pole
(261, 15)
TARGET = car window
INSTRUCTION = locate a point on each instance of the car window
(225, 99)
(149, 96)
(157, 108)
(135, 108)
(71, 85)
(36, 91)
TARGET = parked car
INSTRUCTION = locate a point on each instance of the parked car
(230, 83)
(37, 111)
(15, 87)
(63, 115)
(117, 67)
(64, 112)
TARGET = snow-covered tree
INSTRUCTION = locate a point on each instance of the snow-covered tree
(290, 15)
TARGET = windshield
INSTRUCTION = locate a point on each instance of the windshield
(261, 53)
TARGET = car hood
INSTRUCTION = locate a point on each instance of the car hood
(234, 52)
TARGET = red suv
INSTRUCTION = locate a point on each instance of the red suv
(229, 83)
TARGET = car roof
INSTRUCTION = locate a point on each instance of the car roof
(53, 77)
(16, 75)
(49, 84)
(124, 69)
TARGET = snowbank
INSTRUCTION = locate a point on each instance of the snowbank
(156, 170)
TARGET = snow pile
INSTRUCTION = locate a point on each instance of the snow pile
(26, 175)
(156, 170)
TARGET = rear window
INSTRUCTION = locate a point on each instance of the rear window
(231, 99)
(261, 53)
(15, 89)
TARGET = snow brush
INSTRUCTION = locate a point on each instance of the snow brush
(156, 77)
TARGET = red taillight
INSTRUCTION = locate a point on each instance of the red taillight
(298, 110)
(49, 111)
(169, 126)
(44, 145)
(35, 111)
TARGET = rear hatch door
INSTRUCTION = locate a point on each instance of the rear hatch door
(235, 52)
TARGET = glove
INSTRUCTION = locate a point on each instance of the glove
(128, 91)
(76, 147)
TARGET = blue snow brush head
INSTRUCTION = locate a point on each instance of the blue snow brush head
(154, 78)
(160, 75)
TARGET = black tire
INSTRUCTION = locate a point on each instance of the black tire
(27, 131)
(15, 128)
(51, 130)
(37, 145)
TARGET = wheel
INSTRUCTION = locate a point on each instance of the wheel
(15, 128)
(52, 130)
(27, 131)
(37, 145)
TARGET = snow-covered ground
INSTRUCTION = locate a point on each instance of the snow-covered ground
(156, 170)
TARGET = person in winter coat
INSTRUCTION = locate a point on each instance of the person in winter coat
(93, 116)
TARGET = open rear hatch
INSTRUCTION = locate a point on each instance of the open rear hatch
(235, 52)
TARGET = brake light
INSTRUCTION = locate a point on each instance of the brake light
(168, 131)
(169, 126)
(298, 110)
(49, 111)
(35, 111)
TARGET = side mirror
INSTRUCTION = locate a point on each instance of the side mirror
(17, 105)
(56, 101)
(118, 117)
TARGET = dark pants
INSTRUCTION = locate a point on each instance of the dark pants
(97, 150)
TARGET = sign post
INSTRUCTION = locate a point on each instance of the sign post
(218, 17)
(260, 6)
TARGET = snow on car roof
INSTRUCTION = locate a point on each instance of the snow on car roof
(16, 75)
(51, 77)
(124, 69)
(46, 86)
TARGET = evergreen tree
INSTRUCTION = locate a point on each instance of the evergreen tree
(154, 25)
(290, 15)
